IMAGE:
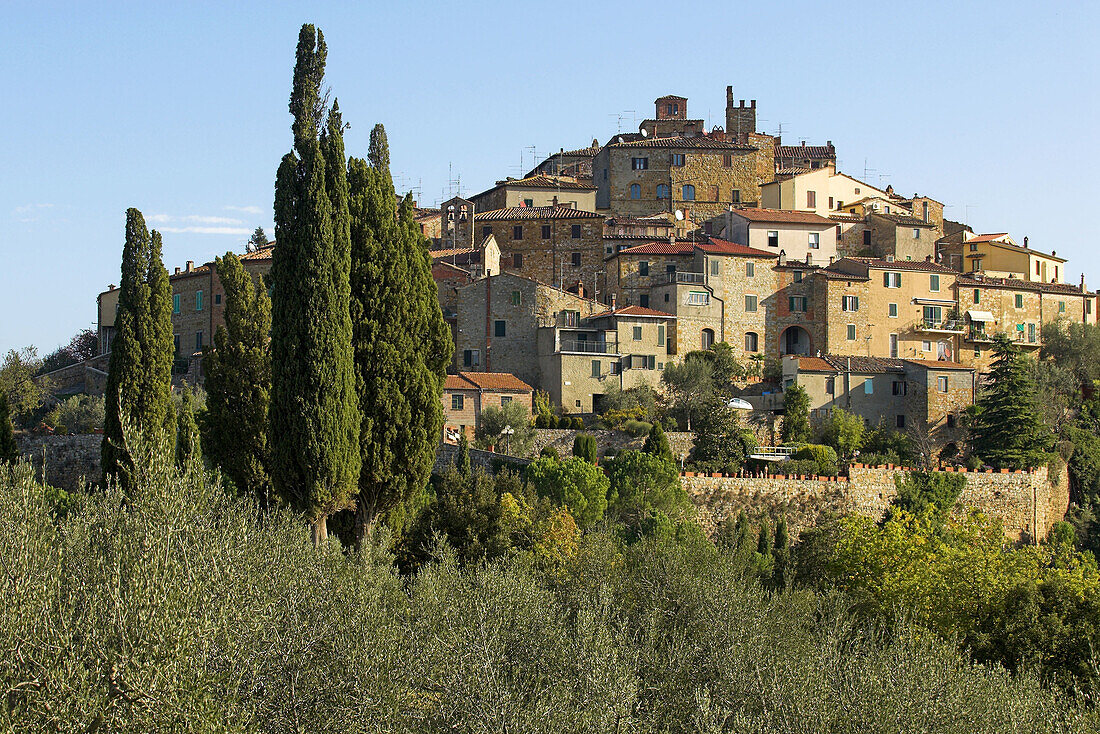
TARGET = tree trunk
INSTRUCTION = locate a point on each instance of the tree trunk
(365, 517)
(320, 531)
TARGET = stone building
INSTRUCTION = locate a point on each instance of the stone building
(923, 398)
(552, 244)
(576, 164)
(997, 255)
(456, 224)
(537, 191)
(467, 394)
(822, 191)
(803, 158)
(801, 236)
(671, 120)
(625, 231)
(902, 236)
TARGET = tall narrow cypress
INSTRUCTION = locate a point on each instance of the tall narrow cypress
(139, 373)
(314, 419)
(402, 344)
(9, 451)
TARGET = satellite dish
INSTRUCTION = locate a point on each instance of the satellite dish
(679, 216)
(644, 132)
(621, 139)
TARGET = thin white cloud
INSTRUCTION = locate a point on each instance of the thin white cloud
(206, 230)
(191, 219)
(244, 209)
(29, 208)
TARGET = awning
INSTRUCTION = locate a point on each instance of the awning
(984, 316)
(933, 302)
(740, 404)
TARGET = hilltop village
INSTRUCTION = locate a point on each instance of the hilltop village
(603, 264)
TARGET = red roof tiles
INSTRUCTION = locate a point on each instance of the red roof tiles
(486, 381)
(535, 212)
(635, 311)
(783, 216)
(722, 247)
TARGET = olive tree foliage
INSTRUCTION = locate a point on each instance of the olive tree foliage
(507, 428)
(17, 381)
(231, 625)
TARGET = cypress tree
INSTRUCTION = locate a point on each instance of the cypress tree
(584, 446)
(238, 383)
(656, 443)
(1007, 431)
(9, 452)
(463, 459)
(313, 417)
(139, 373)
(402, 344)
(188, 445)
(764, 540)
(782, 553)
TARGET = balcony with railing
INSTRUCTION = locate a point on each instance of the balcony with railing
(686, 277)
(942, 326)
(588, 347)
(979, 334)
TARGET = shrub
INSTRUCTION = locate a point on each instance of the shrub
(794, 467)
(584, 447)
(549, 451)
(577, 423)
(824, 456)
(77, 414)
(543, 420)
(637, 428)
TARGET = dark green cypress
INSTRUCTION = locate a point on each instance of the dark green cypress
(1007, 431)
(462, 461)
(656, 443)
(188, 445)
(139, 379)
(9, 452)
(314, 421)
(238, 383)
(402, 344)
(584, 446)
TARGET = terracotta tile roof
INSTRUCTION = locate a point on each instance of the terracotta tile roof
(670, 96)
(634, 311)
(969, 281)
(426, 213)
(440, 254)
(812, 151)
(260, 253)
(485, 381)
(856, 363)
(992, 237)
(881, 264)
(539, 181)
(723, 247)
(840, 217)
(781, 216)
(792, 171)
(904, 220)
(1015, 248)
(939, 364)
(659, 247)
(704, 142)
(534, 212)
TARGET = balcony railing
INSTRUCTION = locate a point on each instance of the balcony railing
(979, 335)
(589, 347)
(954, 326)
(685, 277)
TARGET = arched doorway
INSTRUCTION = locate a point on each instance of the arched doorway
(708, 338)
(795, 340)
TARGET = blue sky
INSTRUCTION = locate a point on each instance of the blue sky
(180, 109)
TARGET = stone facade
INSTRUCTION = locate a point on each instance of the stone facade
(70, 463)
(467, 394)
(537, 191)
(1026, 503)
(902, 237)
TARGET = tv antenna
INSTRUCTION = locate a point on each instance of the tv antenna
(620, 115)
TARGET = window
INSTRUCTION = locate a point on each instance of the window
(894, 345)
(176, 303)
(773, 238)
(926, 346)
(670, 268)
(1019, 300)
(900, 387)
(198, 300)
(572, 317)
(830, 385)
(750, 270)
(891, 280)
(575, 231)
(811, 199)
(198, 340)
(1061, 306)
(933, 315)
(517, 232)
(900, 421)
(597, 368)
(857, 189)
(869, 386)
(486, 231)
(727, 160)
(849, 303)
(750, 303)
(866, 238)
(643, 268)
(576, 259)
(517, 260)
(471, 358)
(707, 339)
(528, 202)
(977, 296)
(613, 368)
(941, 384)
(925, 210)
(217, 299)
(499, 328)
(678, 160)
(660, 335)
(814, 241)
(950, 420)
(735, 196)
(688, 193)
(893, 310)
(973, 247)
(516, 298)
(698, 298)
(637, 333)
(635, 191)
(176, 344)
(797, 276)
(457, 402)
(643, 300)
(797, 304)
(545, 232)
(662, 191)
(1032, 337)
(714, 267)
(1036, 267)
(933, 282)
(639, 164)
(666, 298)
(830, 202)
(851, 332)
(752, 341)
(916, 233)
(505, 399)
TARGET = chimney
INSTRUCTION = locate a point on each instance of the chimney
(729, 96)
(828, 143)
(1025, 242)
(803, 143)
(190, 265)
(752, 103)
(782, 257)
(928, 258)
(613, 301)
(177, 271)
(111, 286)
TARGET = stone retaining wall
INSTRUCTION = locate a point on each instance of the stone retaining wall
(71, 462)
(613, 441)
(1027, 503)
(447, 454)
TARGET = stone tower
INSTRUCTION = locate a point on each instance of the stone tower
(740, 120)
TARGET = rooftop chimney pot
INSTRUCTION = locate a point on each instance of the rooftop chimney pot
(190, 265)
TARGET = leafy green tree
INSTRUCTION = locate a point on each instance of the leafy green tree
(25, 394)
(656, 443)
(824, 457)
(843, 431)
(402, 344)
(796, 415)
(314, 416)
(690, 384)
(9, 451)
(77, 414)
(238, 383)
(572, 483)
(139, 374)
(491, 427)
(584, 447)
(1006, 430)
(641, 483)
(257, 240)
(84, 345)
(188, 444)
(721, 445)
(934, 493)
